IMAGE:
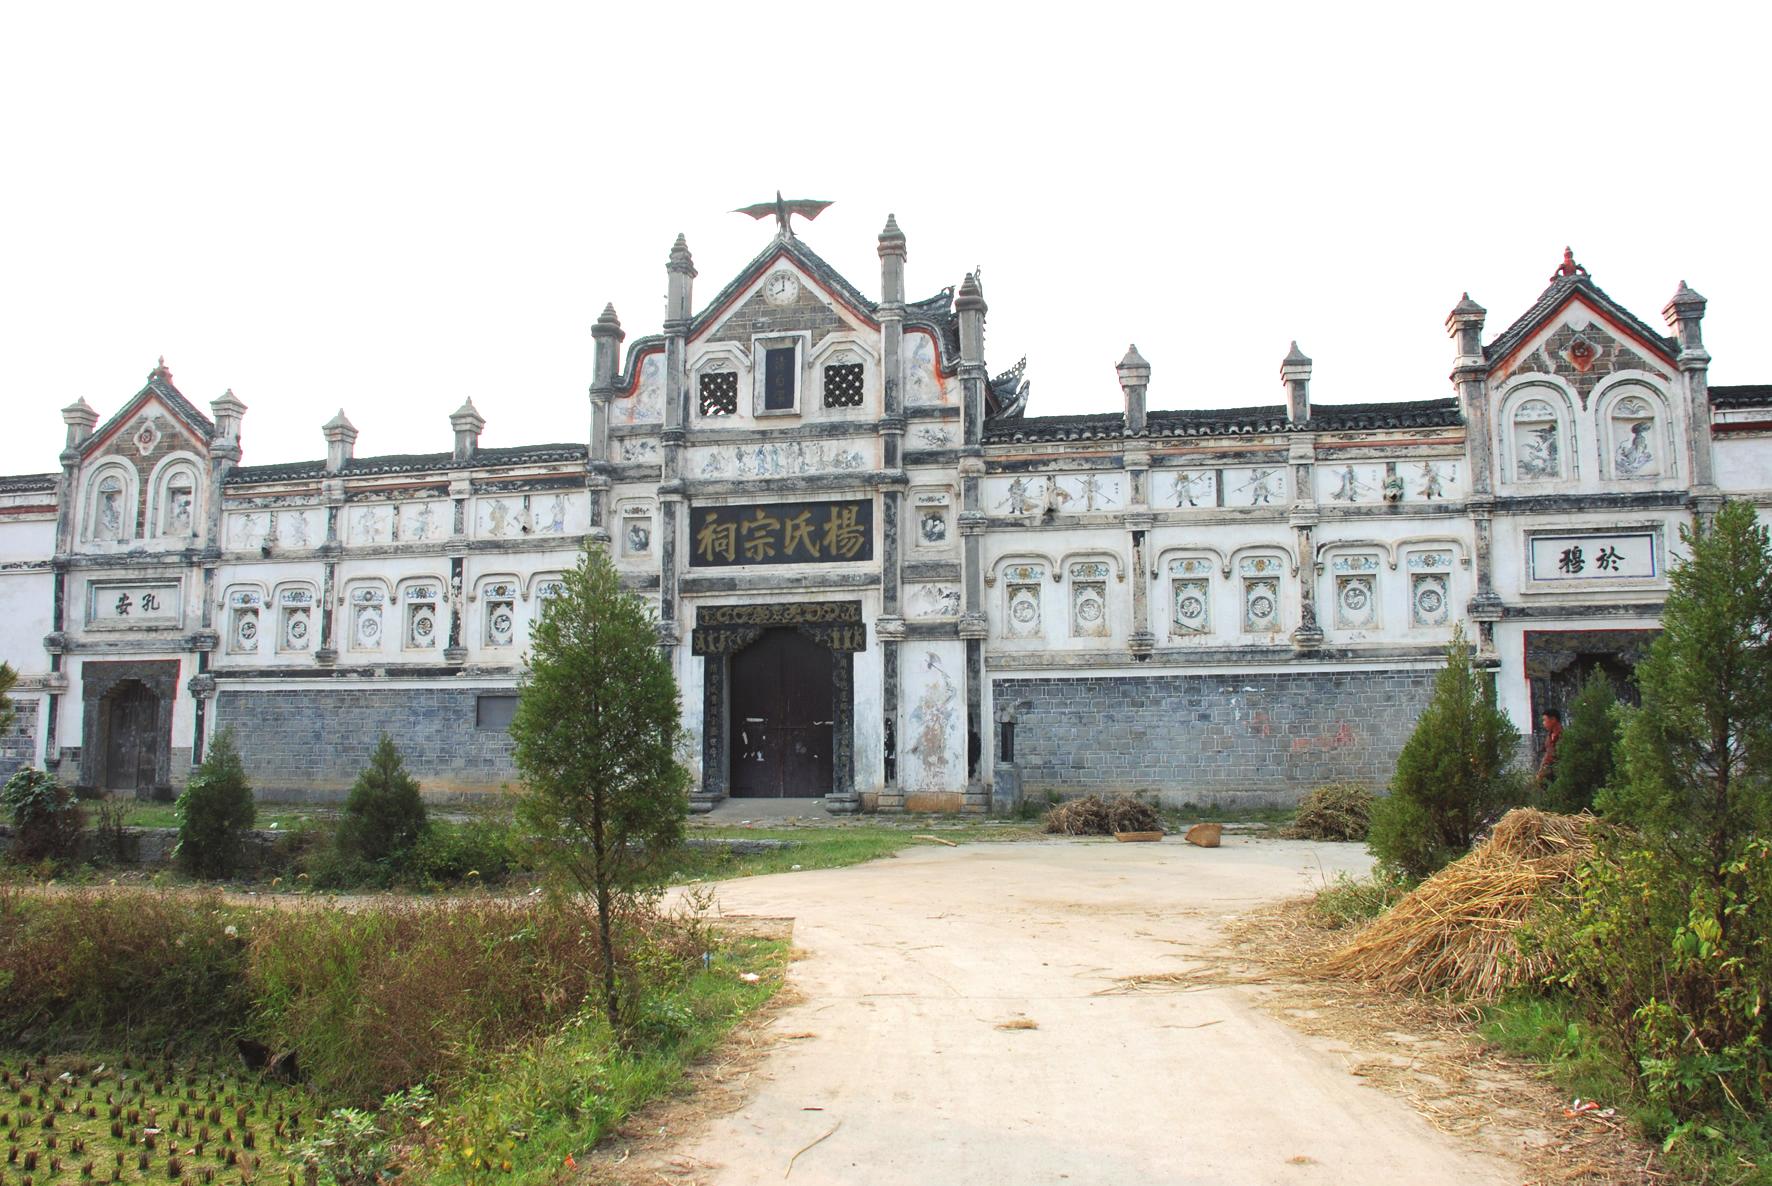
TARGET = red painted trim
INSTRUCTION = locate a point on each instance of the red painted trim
(44, 508)
(634, 384)
(1656, 348)
(1728, 426)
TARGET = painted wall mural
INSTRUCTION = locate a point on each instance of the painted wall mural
(1190, 595)
(1538, 442)
(1089, 608)
(1021, 584)
(935, 728)
(1430, 588)
(646, 405)
(1356, 592)
(779, 460)
(933, 601)
(921, 384)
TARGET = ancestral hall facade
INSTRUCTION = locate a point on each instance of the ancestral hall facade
(877, 578)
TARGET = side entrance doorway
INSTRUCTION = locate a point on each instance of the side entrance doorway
(782, 717)
(126, 730)
(132, 744)
(778, 701)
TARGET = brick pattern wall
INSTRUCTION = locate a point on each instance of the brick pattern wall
(310, 744)
(1243, 737)
(18, 744)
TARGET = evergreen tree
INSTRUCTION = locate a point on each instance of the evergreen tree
(1452, 775)
(384, 815)
(1584, 756)
(215, 811)
(596, 730)
(1697, 756)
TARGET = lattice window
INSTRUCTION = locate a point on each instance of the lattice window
(719, 393)
(842, 385)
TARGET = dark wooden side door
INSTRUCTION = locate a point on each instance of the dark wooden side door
(130, 745)
(782, 716)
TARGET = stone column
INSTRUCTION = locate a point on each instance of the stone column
(607, 334)
(1470, 378)
(889, 626)
(672, 502)
(973, 628)
(1685, 316)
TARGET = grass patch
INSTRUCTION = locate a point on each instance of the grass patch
(1352, 901)
(99, 1119)
(821, 846)
(1258, 821)
(532, 1112)
(1547, 1029)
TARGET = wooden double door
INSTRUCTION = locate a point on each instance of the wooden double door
(132, 738)
(783, 716)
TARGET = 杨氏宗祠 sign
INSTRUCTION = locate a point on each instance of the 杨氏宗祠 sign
(782, 533)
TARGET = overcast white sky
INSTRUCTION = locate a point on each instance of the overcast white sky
(391, 207)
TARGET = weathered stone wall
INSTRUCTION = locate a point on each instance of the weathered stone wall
(1243, 737)
(18, 743)
(310, 744)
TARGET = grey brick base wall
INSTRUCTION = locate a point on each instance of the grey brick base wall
(1242, 738)
(18, 744)
(310, 744)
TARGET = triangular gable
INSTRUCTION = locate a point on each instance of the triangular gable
(1544, 339)
(808, 264)
(159, 391)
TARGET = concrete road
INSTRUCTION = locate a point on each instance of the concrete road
(913, 965)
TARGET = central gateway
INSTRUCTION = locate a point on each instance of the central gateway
(778, 700)
(782, 716)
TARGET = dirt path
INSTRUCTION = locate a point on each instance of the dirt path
(965, 1018)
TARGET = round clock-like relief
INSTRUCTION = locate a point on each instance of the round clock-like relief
(782, 288)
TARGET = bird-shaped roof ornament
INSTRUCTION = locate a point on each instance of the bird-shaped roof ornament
(783, 209)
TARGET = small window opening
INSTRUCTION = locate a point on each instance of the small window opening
(719, 393)
(780, 365)
(842, 386)
(494, 712)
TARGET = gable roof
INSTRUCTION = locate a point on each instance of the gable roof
(935, 314)
(1748, 395)
(1564, 289)
(159, 387)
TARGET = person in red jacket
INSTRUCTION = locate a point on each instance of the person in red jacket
(1553, 733)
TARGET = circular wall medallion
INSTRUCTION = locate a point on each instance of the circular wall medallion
(1261, 608)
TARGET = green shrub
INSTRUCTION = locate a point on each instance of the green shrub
(384, 815)
(1350, 901)
(1584, 755)
(215, 811)
(1678, 972)
(1337, 811)
(486, 851)
(45, 816)
(1452, 777)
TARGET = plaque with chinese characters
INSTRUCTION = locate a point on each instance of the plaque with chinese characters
(126, 606)
(782, 533)
(1610, 557)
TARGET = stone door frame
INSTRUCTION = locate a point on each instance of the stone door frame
(98, 680)
(721, 631)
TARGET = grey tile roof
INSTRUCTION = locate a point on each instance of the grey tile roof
(408, 463)
(1266, 418)
(1751, 395)
(1551, 297)
(28, 483)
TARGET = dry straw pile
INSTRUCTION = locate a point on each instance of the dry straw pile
(1455, 931)
(1094, 816)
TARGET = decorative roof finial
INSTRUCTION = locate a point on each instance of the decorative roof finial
(160, 372)
(783, 209)
(1568, 267)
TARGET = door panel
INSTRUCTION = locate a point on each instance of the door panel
(133, 716)
(781, 727)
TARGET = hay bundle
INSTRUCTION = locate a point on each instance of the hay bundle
(1455, 930)
(1338, 811)
(1094, 816)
